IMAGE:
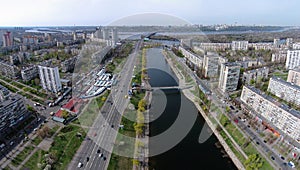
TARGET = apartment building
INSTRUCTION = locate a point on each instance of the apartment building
(195, 59)
(285, 90)
(8, 69)
(68, 65)
(293, 59)
(279, 116)
(255, 74)
(12, 111)
(50, 79)
(294, 76)
(239, 45)
(210, 64)
(29, 73)
(279, 56)
(229, 77)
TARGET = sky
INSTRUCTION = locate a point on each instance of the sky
(104, 12)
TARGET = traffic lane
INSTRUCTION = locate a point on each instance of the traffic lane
(115, 117)
(259, 142)
(118, 118)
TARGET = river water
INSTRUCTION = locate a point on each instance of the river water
(188, 153)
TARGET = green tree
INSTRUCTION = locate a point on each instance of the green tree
(142, 105)
(227, 109)
(254, 162)
(30, 108)
(65, 114)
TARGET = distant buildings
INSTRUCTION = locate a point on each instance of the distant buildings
(279, 56)
(278, 116)
(294, 76)
(251, 62)
(68, 65)
(293, 59)
(285, 90)
(239, 45)
(289, 42)
(12, 111)
(110, 36)
(8, 69)
(255, 75)
(261, 46)
(7, 39)
(114, 35)
(296, 46)
(29, 73)
(50, 79)
(213, 46)
(105, 34)
(229, 77)
(210, 65)
(276, 43)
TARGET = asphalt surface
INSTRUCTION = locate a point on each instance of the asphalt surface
(101, 136)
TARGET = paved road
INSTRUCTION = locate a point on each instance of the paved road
(102, 134)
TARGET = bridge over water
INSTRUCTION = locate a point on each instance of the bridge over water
(168, 87)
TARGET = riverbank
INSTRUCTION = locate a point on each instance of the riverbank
(191, 97)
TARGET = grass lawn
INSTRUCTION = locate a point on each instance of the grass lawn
(136, 98)
(36, 158)
(22, 155)
(91, 112)
(65, 145)
(281, 75)
(36, 141)
(250, 149)
(229, 143)
(118, 162)
(232, 130)
(128, 129)
(19, 85)
(9, 87)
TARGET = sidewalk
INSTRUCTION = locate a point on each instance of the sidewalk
(141, 153)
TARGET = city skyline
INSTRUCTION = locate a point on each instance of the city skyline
(103, 12)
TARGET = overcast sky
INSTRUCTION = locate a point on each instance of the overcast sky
(103, 12)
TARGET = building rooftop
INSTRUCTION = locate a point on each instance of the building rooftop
(275, 102)
(255, 70)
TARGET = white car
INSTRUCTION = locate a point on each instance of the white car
(79, 165)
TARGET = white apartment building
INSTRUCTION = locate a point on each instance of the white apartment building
(296, 46)
(281, 117)
(294, 76)
(29, 73)
(255, 74)
(293, 59)
(239, 45)
(229, 77)
(195, 59)
(279, 56)
(50, 79)
(284, 90)
(210, 64)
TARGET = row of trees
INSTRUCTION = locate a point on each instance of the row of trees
(139, 125)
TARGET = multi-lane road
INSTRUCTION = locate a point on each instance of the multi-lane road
(96, 150)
